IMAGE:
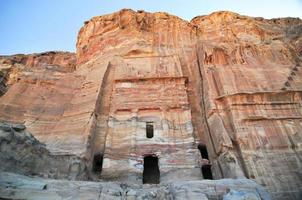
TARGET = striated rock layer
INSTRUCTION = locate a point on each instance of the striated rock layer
(251, 69)
(12, 68)
(226, 85)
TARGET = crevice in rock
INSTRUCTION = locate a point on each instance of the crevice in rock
(202, 102)
(102, 107)
(241, 160)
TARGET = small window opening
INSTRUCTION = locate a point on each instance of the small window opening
(203, 151)
(151, 172)
(97, 162)
(149, 130)
(206, 172)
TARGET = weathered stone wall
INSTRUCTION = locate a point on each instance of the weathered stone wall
(252, 78)
(242, 96)
(163, 102)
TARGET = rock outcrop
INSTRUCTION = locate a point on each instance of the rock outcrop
(222, 93)
(14, 186)
(22, 153)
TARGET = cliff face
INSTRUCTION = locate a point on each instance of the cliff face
(12, 68)
(252, 78)
(223, 85)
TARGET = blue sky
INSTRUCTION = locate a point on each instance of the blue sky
(28, 26)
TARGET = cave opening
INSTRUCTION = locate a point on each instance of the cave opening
(206, 172)
(98, 163)
(149, 130)
(151, 172)
(203, 151)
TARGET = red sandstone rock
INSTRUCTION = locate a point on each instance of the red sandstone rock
(230, 82)
(13, 67)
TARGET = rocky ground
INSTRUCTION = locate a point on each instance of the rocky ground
(13, 186)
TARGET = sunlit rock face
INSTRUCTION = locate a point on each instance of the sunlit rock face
(226, 83)
(40, 92)
(149, 59)
(252, 77)
(13, 67)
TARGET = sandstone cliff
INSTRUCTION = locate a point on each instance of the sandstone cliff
(12, 68)
(228, 84)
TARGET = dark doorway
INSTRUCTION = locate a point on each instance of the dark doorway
(149, 130)
(151, 172)
(206, 172)
(97, 162)
(203, 151)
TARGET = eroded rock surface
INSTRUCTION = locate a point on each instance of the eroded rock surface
(252, 79)
(226, 84)
(14, 186)
(17, 67)
(22, 153)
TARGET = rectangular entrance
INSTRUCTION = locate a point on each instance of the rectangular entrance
(151, 172)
